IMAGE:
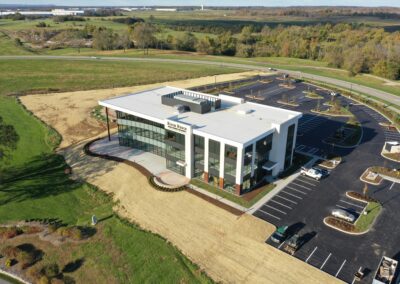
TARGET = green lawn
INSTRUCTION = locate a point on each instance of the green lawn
(59, 75)
(364, 222)
(35, 185)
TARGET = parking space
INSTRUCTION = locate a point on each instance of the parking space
(286, 200)
(353, 206)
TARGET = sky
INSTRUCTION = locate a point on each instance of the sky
(393, 3)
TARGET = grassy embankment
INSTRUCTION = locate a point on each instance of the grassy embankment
(34, 184)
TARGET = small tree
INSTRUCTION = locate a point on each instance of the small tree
(365, 190)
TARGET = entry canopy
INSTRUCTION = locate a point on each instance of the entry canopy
(269, 165)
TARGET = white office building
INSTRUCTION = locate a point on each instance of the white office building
(222, 140)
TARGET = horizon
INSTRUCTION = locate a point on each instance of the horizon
(211, 3)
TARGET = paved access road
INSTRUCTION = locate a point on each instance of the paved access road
(393, 99)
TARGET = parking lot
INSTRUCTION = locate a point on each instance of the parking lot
(305, 202)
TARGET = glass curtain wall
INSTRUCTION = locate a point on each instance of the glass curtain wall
(198, 160)
(213, 162)
(248, 155)
(263, 147)
(140, 133)
(289, 146)
(230, 167)
(175, 151)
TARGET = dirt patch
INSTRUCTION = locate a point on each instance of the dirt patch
(230, 248)
(69, 113)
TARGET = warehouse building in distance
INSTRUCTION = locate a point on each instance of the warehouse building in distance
(223, 140)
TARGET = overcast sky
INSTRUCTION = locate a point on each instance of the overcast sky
(395, 3)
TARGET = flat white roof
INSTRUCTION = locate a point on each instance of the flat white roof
(237, 122)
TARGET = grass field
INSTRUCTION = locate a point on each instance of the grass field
(8, 47)
(295, 64)
(34, 184)
(59, 75)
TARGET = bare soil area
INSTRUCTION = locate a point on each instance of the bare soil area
(69, 113)
(231, 249)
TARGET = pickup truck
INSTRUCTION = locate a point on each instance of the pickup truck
(312, 173)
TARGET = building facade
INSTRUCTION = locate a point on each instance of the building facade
(222, 140)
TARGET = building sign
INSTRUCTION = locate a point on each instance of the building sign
(173, 126)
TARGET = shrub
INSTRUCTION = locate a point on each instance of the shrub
(11, 251)
(25, 258)
(8, 262)
(57, 281)
(51, 270)
(34, 272)
(75, 233)
(44, 280)
(10, 232)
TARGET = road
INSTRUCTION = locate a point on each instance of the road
(388, 97)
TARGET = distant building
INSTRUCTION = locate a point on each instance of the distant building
(223, 140)
(167, 9)
(63, 12)
(54, 12)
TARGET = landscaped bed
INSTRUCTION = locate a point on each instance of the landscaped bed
(331, 162)
(386, 173)
(371, 177)
(391, 156)
(312, 95)
(364, 221)
(246, 200)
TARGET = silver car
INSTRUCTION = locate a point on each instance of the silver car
(343, 214)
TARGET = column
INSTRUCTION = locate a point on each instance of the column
(221, 164)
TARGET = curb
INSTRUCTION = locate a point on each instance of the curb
(370, 182)
(343, 231)
(2, 271)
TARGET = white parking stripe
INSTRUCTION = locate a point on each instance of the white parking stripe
(392, 186)
(350, 203)
(296, 184)
(303, 181)
(308, 258)
(345, 208)
(326, 260)
(273, 208)
(268, 214)
(284, 198)
(340, 268)
(281, 204)
(298, 191)
(279, 247)
(298, 197)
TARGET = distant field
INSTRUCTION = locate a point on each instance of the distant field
(58, 75)
(8, 46)
(303, 65)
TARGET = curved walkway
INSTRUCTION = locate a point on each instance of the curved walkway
(391, 98)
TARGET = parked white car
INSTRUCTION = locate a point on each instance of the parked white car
(312, 173)
(343, 214)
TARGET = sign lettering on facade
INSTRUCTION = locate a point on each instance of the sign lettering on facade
(176, 127)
